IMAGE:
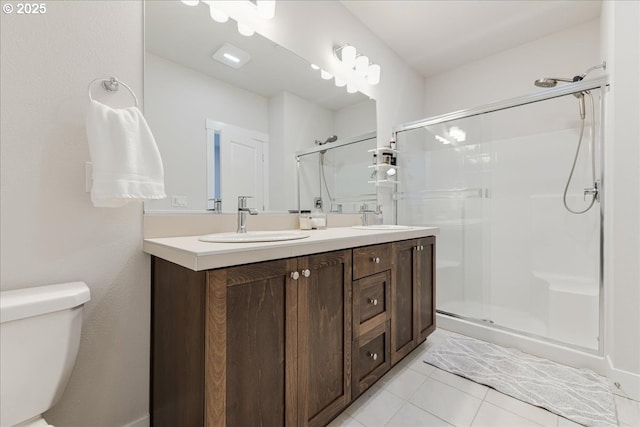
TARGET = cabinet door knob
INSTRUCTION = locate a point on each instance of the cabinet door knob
(295, 275)
(372, 356)
(373, 301)
(376, 260)
(306, 272)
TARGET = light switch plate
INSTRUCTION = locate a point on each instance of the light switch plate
(179, 201)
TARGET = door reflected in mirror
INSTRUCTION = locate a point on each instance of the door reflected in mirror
(224, 131)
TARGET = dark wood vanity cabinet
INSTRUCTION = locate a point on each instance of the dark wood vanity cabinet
(223, 346)
(324, 337)
(371, 315)
(288, 342)
(412, 295)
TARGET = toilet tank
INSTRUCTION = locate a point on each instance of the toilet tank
(39, 339)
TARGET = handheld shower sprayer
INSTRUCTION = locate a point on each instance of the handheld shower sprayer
(332, 138)
(548, 82)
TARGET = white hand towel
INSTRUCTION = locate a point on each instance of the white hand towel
(126, 161)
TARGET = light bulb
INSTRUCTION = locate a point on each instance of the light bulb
(373, 76)
(340, 82)
(325, 75)
(362, 65)
(266, 8)
(351, 88)
(391, 171)
(348, 55)
(315, 67)
(191, 2)
(245, 30)
(218, 15)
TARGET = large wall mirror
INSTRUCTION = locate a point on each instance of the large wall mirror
(225, 130)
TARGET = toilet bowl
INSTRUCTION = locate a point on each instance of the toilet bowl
(39, 339)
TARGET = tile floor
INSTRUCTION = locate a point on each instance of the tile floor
(416, 394)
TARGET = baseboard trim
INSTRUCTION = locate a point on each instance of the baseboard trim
(142, 422)
(624, 383)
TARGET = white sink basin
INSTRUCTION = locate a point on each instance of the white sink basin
(253, 236)
(381, 227)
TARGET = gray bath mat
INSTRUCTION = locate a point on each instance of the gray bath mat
(579, 395)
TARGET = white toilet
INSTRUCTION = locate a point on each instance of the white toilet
(39, 339)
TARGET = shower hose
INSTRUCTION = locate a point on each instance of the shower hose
(575, 159)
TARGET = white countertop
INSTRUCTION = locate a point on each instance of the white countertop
(191, 253)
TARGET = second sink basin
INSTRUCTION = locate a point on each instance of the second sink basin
(381, 227)
(253, 236)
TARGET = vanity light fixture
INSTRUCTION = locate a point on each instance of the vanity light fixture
(373, 75)
(364, 68)
(232, 56)
(362, 65)
(266, 8)
(217, 15)
(443, 140)
(325, 75)
(245, 30)
(348, 55)
(458, 134)
(254, 10)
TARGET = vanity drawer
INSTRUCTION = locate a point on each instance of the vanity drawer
(371, 298)
(370, 260)
(372, 359)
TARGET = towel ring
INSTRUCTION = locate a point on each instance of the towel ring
(111, 85)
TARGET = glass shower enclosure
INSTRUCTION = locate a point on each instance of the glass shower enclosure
(510, 255)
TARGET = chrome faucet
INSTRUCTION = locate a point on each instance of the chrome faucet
(364, 212)
(242, 213)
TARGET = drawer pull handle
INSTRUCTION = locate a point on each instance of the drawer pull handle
(372, 356)
(306, 272)
(376, 260)
(295, 275)
(373, 301)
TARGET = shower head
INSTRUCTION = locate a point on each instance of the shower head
(332, 138)
(553, 81)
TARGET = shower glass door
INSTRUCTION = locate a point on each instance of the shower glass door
(509, 253)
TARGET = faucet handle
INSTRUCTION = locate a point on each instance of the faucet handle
(242, 201)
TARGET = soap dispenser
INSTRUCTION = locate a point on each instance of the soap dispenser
(318, 220)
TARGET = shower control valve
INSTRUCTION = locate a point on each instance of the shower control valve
(593, 191)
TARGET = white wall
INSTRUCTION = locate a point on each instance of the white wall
(49, 231)
(511, 73)
(621, 47)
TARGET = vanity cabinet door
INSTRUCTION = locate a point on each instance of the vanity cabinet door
(404, 302)
(426, 287)
(251, 325)
(412, 295)
(324, 337)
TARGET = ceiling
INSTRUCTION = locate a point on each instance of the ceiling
(434, 36)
